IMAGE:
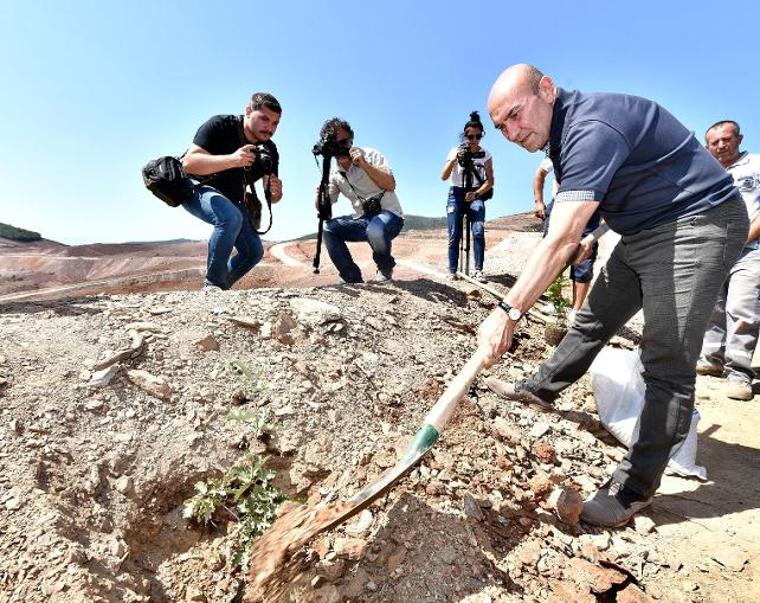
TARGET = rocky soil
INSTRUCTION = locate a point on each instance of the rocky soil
(114, 406)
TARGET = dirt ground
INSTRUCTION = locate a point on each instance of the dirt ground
(94, 470)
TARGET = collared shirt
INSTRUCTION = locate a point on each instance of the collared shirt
(746, 174)
(633, 157)
(356, 183)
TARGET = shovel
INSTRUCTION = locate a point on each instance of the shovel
(423, 441)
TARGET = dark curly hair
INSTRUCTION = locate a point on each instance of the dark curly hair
(331, 126)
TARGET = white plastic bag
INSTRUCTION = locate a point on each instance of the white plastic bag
(619, 392)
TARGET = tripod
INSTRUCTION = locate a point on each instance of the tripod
(324, 210)
(465, 222)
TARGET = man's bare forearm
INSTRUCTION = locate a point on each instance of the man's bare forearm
(200, 164)
(754, 230)
(545, 263)
(383, 179)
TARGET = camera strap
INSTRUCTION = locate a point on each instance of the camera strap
(358, 196)
(248, 181)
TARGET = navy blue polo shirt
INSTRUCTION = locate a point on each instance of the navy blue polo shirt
(630, 154)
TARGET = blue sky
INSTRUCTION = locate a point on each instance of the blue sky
(91, 90)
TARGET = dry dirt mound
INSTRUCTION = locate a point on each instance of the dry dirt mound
(114, 406)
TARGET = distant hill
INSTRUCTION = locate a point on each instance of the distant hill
(18, 234)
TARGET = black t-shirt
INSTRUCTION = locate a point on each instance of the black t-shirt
(223, 135)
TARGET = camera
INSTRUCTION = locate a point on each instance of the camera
(330, 147)
(264, 159)
(464, 156)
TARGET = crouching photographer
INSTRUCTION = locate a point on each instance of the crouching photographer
(365, 178)
(228, 155)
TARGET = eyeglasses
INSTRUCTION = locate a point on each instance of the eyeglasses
(475, 136)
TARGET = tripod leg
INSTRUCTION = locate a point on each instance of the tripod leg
(468, 234)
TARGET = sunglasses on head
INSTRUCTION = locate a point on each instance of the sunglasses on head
(477, 136)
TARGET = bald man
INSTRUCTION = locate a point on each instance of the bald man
(683, 224)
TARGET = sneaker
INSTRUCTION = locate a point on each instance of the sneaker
(452, 276)
(512, 391)
(209, 288)
(383, 277)
(738, 389)
(705, 367)
(478, 276)
(613, 505)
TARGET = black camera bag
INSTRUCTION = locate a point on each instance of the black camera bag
(165, 178)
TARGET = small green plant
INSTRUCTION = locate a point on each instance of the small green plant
(245, 492)
(555, 297)
(250, 378)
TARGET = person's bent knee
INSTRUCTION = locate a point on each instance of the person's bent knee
(478, 229)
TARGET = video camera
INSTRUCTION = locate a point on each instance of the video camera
(328, 146)
(464, 156)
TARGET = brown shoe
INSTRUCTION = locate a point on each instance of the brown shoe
(739, 390)
(708, 368)
(510, 391)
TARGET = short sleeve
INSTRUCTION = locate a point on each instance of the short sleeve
(208, 134)
(546, 165)
(591, 154)
(452, 154)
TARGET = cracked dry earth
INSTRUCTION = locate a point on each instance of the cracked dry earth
(114, 406)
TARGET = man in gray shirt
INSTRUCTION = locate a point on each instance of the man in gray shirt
(365, 178)
(732, 332)
(683, 225)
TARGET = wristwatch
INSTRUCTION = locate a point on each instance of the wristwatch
(513, 313)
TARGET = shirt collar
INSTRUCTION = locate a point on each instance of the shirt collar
(743, 158)
(552, 146)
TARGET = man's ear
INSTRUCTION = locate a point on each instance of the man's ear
(739, 139)
(547, 89)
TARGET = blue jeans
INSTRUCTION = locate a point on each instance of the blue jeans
(455, 209)
(232, 228)
(378, 231)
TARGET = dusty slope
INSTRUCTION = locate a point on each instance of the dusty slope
(92, 476)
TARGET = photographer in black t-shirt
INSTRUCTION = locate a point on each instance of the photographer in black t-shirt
(230, 152)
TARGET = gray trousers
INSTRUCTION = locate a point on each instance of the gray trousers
(674, 273)
(732, 332)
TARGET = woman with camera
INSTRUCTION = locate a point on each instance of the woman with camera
(470, 168)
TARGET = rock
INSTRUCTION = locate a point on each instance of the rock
(471, 507)
(282, 328)
(544, 451)
(247, 323)
(313, 312)
(539, 429)
(567, 505)
(208, 343)
(643, 524)
(16, 427)
(124, 484)
(93, 405)
(195, 595)
(117, 547)
(350, 548)
(502, 430)
(530, 553)
(361, 525)
(633, 594)
(730, 558)
(155, 386)
(13, 504)
(105, 376)
(598, 579)
(541, 486)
